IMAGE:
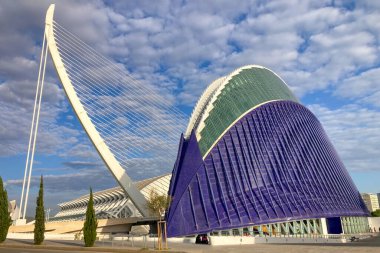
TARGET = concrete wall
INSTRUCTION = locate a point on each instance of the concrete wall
(47, 236)
(231, 240)
(104, 226)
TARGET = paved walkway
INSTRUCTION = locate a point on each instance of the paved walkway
(371, 245)
(63, 245)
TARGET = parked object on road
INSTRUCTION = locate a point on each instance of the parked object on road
(202, 239)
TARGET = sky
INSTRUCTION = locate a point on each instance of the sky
(326, 51)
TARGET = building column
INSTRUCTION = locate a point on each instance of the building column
(250, 230)
(260, 230)
(324, 226)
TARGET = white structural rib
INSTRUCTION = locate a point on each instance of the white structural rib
(109, 159)
(201, 106)
(216, 93)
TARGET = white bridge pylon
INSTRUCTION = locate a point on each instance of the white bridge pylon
(113, 165)
(131, 125)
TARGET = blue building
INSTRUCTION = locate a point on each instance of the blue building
(255, 160)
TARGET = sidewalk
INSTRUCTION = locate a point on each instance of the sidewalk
(74, 246)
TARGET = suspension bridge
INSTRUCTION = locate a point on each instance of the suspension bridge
(132, 125)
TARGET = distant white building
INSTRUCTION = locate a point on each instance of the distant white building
(111, 203)
(371, 200)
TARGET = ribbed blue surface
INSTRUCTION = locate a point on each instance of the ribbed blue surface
(274, 164)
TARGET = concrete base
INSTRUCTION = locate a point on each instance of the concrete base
(104, 226)
(20, 222)
(237, 240)
(231, 240)
(188, 240)
(30, 236)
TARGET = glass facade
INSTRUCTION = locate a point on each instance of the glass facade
(297, 228)
(355, 225)
(243, 91)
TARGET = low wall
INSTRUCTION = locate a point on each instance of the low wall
(54, 227)
(190, 240)
(47, 236)
(231, 240)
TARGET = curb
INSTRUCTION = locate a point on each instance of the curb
(79, 248)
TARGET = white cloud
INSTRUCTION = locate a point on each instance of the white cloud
(373, 99)
(366, 83)
(63, 187)
(184, 46)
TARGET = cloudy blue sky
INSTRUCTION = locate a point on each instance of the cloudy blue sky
(327, 51)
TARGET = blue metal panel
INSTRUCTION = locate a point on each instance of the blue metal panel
(274, 164)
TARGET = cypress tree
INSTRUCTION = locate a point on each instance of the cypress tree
(5, 219)
(91, 223)
(39, 225)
